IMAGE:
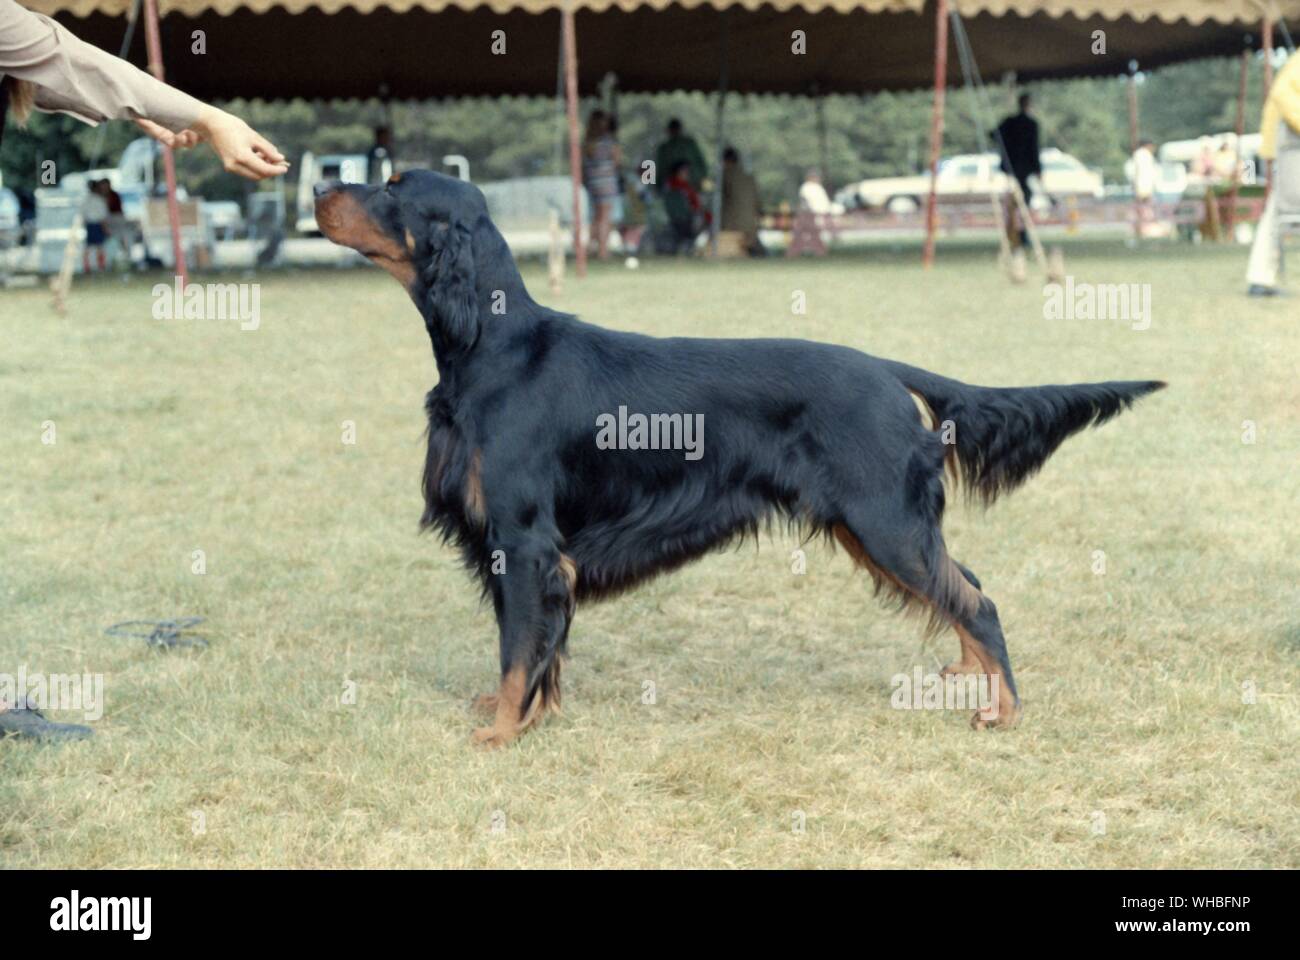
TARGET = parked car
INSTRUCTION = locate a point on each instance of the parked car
(972, 175)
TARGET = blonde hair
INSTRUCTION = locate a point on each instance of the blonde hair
(22, 95)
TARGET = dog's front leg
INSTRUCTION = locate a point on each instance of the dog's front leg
(534, 599)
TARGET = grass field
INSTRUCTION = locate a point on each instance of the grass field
(1139, 746)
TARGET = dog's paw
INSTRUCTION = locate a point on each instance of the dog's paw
(1005, 718)
(491, 738)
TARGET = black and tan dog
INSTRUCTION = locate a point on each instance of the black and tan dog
(547, 515)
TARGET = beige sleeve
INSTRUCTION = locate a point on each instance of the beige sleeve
(74, 77)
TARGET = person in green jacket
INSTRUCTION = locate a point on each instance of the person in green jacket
(680, 146)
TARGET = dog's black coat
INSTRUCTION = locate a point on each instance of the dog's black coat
(823, 436)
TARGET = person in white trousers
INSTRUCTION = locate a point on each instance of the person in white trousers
(1281, 143)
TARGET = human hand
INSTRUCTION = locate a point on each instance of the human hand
(241, 148)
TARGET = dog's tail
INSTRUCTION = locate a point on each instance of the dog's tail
(1002, 435)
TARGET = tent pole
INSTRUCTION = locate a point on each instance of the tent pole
(561, 104)
(823, 138)
(936, 128)
(1133, 141)
(721, 136)
(575, 151)
(154, 43)
(1267, 32)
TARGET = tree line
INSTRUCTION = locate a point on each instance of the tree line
(778, 137)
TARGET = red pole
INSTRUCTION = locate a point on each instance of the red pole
(936, 128)
(1268, 86)
(575, 151)
(154, 42)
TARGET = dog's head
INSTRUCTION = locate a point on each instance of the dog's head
(420, 227)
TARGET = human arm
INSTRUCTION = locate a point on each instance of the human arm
(71, 76)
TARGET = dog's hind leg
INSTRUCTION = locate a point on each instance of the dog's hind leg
(534, 601)
(984, 654)
(981, 636)
(908, 559)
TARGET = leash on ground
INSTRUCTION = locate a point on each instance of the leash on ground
(164, 634)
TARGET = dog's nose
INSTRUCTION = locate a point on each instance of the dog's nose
(323, 187)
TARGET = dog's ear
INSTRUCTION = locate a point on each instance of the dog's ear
(449, 277)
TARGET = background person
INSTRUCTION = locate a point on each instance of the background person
(94, 215)
(1020, 156)
(1225, 163)
(740, 206)
(1142, 171)
(380, 159)
(600, 159)
(1280, 142)
(46, 67)
(812, 194)
(116, 226)
(1203, 164)
(680, 147)
(685, 212)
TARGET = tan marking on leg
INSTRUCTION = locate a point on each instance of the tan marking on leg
(954, 585)
(475, 504)
(975, 659)
(549, 704)
(970, 662)
(509, 720)
(486, 703)
(1003, 713)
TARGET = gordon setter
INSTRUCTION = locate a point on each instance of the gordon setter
(562, 460)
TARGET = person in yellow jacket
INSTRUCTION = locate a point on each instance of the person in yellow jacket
(1280, 142)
